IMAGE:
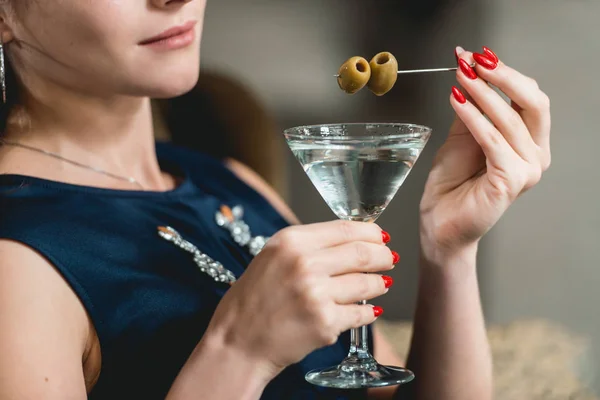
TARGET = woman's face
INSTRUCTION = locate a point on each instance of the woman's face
(101, 46)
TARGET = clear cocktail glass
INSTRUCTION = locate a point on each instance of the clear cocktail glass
(357, 168)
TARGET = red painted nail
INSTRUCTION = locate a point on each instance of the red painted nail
(458, 95)
(388, 281)
(490, 54)
(456, 55)
(466, 69)
(385, 237)
(396, 257)
(484, 61)
(377, 311)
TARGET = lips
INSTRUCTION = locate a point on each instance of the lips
(170, 33)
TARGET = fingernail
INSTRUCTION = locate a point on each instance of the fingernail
(457, 52)
(484, 61)
(458, 95)
(395, 257)
(490, 54)
(388, 281)
(385, 237)
(377, 311)
(466, 69)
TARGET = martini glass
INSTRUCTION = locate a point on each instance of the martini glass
(357, 168)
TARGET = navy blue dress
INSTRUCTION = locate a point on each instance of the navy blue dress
(147, 299)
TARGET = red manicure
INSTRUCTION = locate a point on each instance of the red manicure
(484, 61)
(456, 55)
(490, 54)
(388, 281)
(466, 69)
(377, 311)
(385, 237)
(396, 257)
(458, 95)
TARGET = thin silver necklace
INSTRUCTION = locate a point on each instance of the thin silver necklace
(77, 164)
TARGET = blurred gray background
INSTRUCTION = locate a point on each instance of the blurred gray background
(543, 257)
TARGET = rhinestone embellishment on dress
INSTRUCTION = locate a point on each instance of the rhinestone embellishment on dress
(206, 264)
(231, 219)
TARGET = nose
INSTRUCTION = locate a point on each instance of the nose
(169, 3)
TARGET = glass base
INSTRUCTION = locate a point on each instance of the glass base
(355, 373)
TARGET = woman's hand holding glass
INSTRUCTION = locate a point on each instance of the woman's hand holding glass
(300, 293)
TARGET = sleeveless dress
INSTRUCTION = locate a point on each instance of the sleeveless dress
(147, 298)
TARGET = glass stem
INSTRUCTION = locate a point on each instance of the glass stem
(359, 341)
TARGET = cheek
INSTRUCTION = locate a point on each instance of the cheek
(88, 25)
(96, 46)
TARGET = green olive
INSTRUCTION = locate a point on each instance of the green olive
(384, 72)
(354, 74)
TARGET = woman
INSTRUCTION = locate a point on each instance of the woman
(95, 302)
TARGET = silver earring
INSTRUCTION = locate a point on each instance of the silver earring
(2, 73)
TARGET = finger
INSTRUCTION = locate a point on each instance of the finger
(354, 316)
(470, 158)
(328, 234)
(462, 53)
(494, 145)
(524, 91)
(502, 115)
(352, 288)
(354, 257)
(458, 127)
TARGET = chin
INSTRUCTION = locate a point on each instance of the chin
(173, 86)
(170, 81)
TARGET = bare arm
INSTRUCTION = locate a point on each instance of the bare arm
(449, 352)
(484, 166)
(216, 371)
(45, 336)
(43, 329)
(449, 335)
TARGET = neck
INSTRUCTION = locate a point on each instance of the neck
(114, 133)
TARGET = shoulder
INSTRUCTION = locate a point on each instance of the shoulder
(256, 182)
(37, 287)
(45, 328)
